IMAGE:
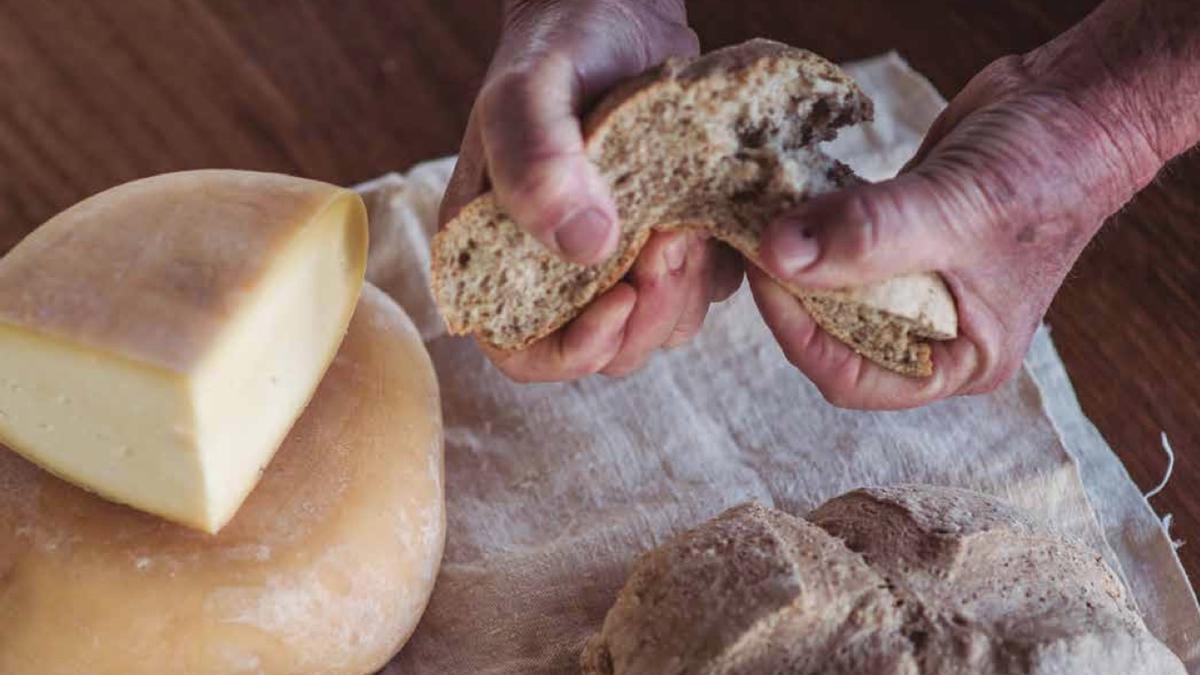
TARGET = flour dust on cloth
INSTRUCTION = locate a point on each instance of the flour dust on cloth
(554, 489)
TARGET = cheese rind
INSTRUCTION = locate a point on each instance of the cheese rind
(158, 340)
(326, 568)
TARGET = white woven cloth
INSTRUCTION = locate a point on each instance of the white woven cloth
(554, 489)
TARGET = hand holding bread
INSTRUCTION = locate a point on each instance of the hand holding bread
(1013, 180)
(1011, 183)
(977, 203)
(524, 142)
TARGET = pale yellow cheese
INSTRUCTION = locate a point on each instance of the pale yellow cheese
(325, 569)
(158, 340)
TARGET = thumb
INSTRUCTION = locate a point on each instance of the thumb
(870, 232)
(535, 154)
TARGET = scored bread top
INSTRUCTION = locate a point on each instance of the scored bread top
(900, 579)
(723, 142)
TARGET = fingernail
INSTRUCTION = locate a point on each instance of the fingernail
(583, 234)
(794, 248)
(675, 254)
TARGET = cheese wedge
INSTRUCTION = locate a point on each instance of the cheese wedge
(158, 340)
(325, 569)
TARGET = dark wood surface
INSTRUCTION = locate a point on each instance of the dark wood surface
(96, 93)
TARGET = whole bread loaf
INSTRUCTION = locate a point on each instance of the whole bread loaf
(905, 579)
(723, 142)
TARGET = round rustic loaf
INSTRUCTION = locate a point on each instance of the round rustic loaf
(326, 567)
(905, 579)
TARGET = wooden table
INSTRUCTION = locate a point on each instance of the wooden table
(96, 93)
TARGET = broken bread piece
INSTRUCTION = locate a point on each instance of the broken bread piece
(723, 142)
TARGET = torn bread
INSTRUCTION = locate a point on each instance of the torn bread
(723, 142)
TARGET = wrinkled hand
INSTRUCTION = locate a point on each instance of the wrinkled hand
(524, 141)
(1012, 181)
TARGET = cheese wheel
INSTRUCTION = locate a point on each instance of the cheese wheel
(159, 339)
(326, 568)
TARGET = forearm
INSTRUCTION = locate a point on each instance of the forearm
(1134, 65)
(1153, 47)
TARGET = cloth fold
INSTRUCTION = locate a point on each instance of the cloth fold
(554, 489)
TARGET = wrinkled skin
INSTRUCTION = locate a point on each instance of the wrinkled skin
(1012, 181)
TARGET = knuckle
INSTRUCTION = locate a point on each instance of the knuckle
(795, 351)
(520, 377)
(690, 323)
(865, 218)
(792, 355)
(537, 187)
(683, 40)
(514, 372)
(994, 369)
(503, 90)
(488, 105)
(586, 366)
(998, 376)
(1005, 75)
(837, 394)
(1008, 77)
(612, 371)
(618, 371)
(683, 334)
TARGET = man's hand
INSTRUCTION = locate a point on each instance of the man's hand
(1014, 178)
(524, 141)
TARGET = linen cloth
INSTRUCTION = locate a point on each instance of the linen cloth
(553, 490)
